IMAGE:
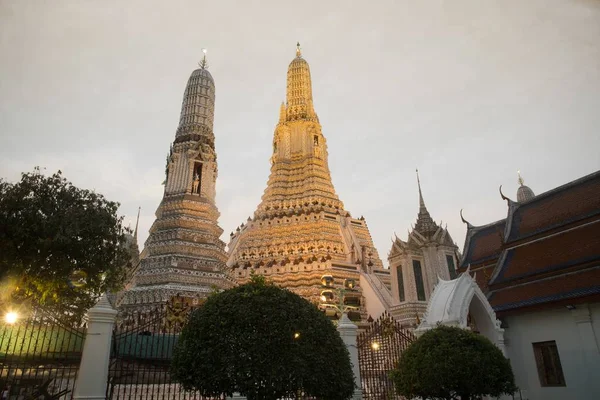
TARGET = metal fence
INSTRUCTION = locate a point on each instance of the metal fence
(379, 349)
(142, 348)
(40, 355)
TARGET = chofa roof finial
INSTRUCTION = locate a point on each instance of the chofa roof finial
(502, 194)
(464, 220)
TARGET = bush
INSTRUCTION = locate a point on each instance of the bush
(265, 343)
(451, 363)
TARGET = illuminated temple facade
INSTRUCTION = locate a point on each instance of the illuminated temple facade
(183, 254)
(300, 231)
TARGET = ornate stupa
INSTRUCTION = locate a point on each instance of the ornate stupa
(183, 254)
(300, 232)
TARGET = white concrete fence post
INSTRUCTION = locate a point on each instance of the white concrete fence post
(93, 370)
(349, 331)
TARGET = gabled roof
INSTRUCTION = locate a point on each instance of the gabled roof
(483, 243)
(574, 201)
(574, 247)
(546, 251)
(556, 288)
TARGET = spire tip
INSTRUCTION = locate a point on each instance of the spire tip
(521, 181)
(298, 52)
(203, 63)
(137, 222)
(421, 201)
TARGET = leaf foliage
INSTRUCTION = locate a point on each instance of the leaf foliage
(450, 363)
(265, 343)
(50, 231)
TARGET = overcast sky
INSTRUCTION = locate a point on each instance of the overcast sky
(468, 91)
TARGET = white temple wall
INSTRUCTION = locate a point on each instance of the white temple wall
(374, 305)
(577, 341)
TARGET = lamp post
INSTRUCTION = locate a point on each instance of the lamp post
(347, 329)
(327, 298)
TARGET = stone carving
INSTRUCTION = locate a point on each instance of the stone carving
(196, 184)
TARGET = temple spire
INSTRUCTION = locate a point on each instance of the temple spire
(425, 224)
(203, 63)
(198, 106)
(421, 201)
(137, 222)
(299, 100)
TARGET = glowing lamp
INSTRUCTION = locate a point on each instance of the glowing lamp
(296, 335)
(11, 317)
(375, 346)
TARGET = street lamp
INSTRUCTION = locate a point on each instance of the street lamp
(327, 295)
(11, 317)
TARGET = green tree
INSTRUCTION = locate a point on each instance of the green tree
(60, 246)
(452, 363)
(265, 343)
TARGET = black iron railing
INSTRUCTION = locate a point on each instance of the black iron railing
(379, 349)
(40, 355)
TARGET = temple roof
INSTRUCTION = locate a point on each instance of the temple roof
(565, 204)
(483, 243)
(566, 249)
(425, 231)
(547, 249)
(577, 286)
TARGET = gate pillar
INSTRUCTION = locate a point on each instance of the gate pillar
(348, 331)
(93, 371)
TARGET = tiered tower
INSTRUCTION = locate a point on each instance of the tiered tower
(300, 231)
(183, 253)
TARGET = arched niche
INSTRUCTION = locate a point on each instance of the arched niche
(460, 302)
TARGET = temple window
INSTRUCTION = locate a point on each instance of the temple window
(316, 140)
(451, 266)
(548, 364)
(274, 147)
(400, 283)
(419, 280)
